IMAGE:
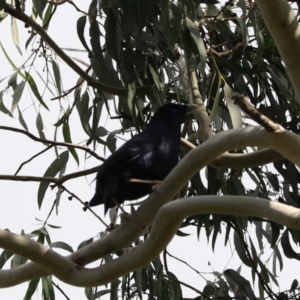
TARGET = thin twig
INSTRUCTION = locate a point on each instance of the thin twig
(57, 286)
(56, 181)
(53, 143)
(30, 159)
(84, 204)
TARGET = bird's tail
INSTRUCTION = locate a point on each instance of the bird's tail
(96, 200)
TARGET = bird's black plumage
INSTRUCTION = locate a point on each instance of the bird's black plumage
(150, 155)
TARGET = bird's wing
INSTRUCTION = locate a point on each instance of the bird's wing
(139, 145)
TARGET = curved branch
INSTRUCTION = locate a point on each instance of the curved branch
(283, 141)
(240, 160)
(53, 143)
(246, 160)
(167, 222)
(285, 31)
(144, 90)
(204, 131)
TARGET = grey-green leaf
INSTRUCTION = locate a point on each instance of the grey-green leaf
(17, 95)
(53, 169)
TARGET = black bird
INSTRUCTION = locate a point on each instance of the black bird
(149, 155)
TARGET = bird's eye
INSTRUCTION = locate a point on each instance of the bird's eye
(174, 111)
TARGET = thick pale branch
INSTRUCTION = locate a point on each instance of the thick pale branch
(166, 224)
(285, 31)
(204, 131)
(246, 160)
(285, 142)
(239, 160)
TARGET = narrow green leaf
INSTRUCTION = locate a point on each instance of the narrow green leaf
(4, 257)
(62, 245)
(2, 106)
(273, 180)
(13, 80)
(52, 171)
(287, 248)
(21, 119)
(113, 36)
(40, 6)
(40, 126)
(89, 293)
(18, 260)
(47, 16)
(15, 34)
(240, 249)
(111, 140)
(34, 89)
(2, 4)
(17, 95)
(57, 76)
(84, 243)
(48, 291)
(155, 76)
(11, 62)
(215, 108)
(67, 138)
(294, 285)
(138, 280)
(3, 14)
(199, 51)
(32, 35)
(31, 288)
(174, 286)
(80, 31)
(114, 289)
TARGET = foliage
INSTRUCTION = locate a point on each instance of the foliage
(140, 55)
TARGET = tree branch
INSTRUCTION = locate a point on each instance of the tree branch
(53, 143)
(56, 181)
(285, 31)
(283, 141)
(167, 222)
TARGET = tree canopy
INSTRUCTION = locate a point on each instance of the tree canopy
(238, 61)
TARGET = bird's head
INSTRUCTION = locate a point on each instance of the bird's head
(171, 115)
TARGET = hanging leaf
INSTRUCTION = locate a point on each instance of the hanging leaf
(17, 95)
(2, 106)
(67, 138)
(57, 76)
(80, 31)
(34, 89)
(58, 164)
(62, 245)
(21, 119)
(15, 34)
(31, 288)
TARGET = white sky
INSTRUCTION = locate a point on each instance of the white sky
(19, 208)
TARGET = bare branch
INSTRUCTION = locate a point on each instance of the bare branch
(53, 143)
(283, 141)
(57, 181)
(250, 110)
(30, 159)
